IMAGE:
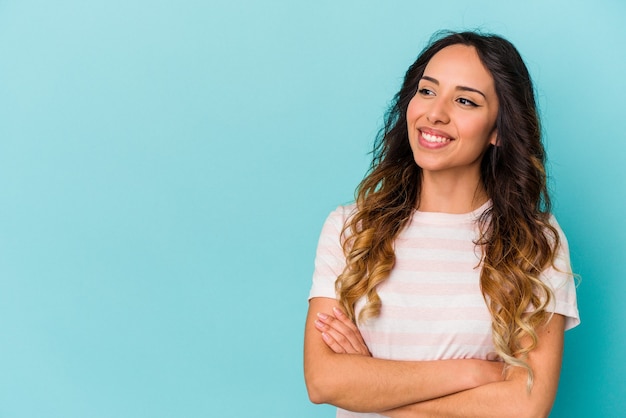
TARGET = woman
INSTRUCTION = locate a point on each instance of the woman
(446, 288)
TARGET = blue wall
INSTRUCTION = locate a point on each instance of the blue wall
(166, 166)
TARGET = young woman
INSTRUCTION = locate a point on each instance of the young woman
(446, 288)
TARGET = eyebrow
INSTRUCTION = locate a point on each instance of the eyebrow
(463, 88)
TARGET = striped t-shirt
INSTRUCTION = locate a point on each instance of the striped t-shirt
(432, 306)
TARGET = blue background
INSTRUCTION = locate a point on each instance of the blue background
(166, 167)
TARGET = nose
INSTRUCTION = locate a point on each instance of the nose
(438, 112)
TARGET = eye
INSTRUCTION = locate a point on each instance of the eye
(466, 102)
(425, 92)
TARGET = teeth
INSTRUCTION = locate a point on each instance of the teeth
(434, 138)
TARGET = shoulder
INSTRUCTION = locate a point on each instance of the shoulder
(557, 227)
(341, 215)
(334, 224)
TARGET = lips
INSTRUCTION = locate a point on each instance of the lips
(435, 139)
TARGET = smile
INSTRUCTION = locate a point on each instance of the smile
(435, 139)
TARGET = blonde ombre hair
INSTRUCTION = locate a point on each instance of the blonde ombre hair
(517, 239)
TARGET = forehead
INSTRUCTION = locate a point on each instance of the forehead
(461, 66)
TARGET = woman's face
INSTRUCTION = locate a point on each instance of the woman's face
(451, 119)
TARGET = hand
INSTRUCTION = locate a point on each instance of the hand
(340, 334)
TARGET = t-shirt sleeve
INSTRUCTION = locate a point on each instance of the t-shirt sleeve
(329, 259)
(561, 279)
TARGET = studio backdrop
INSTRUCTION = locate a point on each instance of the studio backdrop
(166, 167)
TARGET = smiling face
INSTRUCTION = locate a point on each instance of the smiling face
(451, 119)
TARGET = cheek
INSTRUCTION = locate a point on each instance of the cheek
(480, 128)
(413, 110)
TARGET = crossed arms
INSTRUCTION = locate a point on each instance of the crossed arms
(340, 371)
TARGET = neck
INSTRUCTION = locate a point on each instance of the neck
(451, 194)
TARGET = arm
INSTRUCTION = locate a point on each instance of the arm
(362, 383)
(508, 398)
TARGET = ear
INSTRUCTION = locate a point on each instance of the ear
(494, 138)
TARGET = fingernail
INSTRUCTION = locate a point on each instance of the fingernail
(337, 311)
(325, 336)
(319, 323)
(322, 316)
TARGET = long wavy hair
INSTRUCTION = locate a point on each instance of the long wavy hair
(516, 237)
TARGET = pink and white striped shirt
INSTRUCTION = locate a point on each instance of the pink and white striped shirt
(432, 306)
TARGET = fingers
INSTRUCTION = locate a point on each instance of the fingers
(340, 334)
(333, 344)
(326, 331)
(334, 337)
(347, 322)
